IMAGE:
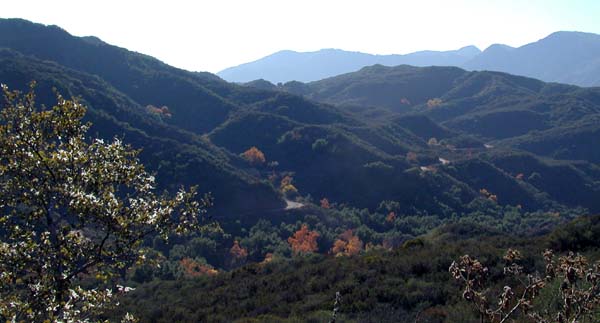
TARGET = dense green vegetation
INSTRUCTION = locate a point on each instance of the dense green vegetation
(377, 286)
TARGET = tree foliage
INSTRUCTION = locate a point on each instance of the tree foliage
(287, 188)
(254, 156)
(72, 209)
(192, 268)
(348, 244)
(304, 240)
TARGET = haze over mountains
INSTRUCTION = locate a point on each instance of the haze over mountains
(563, 57)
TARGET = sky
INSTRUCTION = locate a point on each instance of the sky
(212, 35)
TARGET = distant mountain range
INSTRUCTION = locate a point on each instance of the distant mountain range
(564, 57)
(288, 65)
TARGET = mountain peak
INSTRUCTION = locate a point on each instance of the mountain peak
(565, 57)
(498, 47)
(470, 48)
(571, 33)
(565, 38)
(469, 51)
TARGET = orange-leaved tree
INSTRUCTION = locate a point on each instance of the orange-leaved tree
(254, 156)
(304, 240)
(348, 244)
(192, 268)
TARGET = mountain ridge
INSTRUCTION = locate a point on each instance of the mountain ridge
(336, 61)
(570, 57)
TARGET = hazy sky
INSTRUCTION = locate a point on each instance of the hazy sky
(212, 35)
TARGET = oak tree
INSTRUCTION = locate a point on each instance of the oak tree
(348, 244)
(254, 156)
(304, 240)
(72, 209)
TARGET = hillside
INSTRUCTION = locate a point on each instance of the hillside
(407, 284)
(182, 156)
(195, 100)
(515, 111)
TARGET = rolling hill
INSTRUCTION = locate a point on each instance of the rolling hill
(492, 106)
